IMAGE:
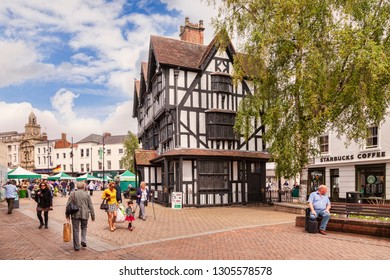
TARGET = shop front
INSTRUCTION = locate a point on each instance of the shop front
(370, 181)
(369, 178)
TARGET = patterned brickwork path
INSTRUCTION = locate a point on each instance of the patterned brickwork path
(225, 233)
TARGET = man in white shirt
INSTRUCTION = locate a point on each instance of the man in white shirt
(11, 192)
(91, 187)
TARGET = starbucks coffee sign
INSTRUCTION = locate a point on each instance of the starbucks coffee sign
(353, 157)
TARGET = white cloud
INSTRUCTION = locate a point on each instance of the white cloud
(103, 47)
(19, 63)
(63, 103)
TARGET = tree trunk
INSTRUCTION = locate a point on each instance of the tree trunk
(303, 186)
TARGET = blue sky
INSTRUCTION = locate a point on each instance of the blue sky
(73, 62)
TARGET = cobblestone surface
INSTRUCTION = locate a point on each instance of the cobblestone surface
(220, 233)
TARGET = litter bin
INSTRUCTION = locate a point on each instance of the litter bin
(22, 193)
(16, 202)
(354, 197)
(295, 192)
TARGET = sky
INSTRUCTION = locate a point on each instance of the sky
(73, 63)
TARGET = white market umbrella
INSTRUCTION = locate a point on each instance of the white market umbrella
(87, 177)
(21, 173)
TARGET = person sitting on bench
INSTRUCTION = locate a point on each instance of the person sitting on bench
(319, 205)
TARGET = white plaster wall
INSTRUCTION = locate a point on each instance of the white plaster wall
(202, 123)
(235, 170)
(193, 142)
(195, 99)
(347, 180)
(187, 170)
(192, 121)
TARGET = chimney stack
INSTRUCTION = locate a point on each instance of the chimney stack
(63, 136)
(192, 32)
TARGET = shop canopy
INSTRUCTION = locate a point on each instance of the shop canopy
(61, 176)
(21, 173)
(107, 178)
(127, 176)
(87, 177)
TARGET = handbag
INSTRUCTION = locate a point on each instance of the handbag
(104, 205)
(67, 232)
(72, 207)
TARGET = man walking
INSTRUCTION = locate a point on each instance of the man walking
(11, 192)
(80, 218)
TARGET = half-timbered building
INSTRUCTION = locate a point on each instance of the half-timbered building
(186, 103)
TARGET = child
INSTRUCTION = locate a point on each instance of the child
(129, 213)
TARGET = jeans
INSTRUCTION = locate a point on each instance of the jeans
(325, 218)
(142, 210)
(76, 224)
(10, 202)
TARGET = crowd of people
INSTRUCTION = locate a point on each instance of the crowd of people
(79, 193)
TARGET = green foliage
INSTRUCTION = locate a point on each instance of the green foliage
(130, 145)
(316, 65)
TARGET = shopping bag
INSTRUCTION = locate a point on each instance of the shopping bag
(2, 194)
(67, 232)
(120, 217)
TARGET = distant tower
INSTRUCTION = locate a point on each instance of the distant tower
(32, 135)
(32, 128)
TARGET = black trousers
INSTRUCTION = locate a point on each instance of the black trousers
(10, 202)
(46, 215)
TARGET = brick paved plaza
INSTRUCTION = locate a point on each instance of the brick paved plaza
(218, 233)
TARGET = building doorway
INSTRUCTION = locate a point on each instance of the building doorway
(334, 185)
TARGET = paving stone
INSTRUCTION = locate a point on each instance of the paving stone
(218, 233)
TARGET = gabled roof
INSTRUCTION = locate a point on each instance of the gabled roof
(95, 138)
(137, 92)
(116, 139)
(144, 157)
(177, 52)
(98, 139)
(144, 68)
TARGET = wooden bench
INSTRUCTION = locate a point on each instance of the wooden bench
(359, 209)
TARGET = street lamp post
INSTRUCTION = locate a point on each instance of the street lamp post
(71, 155)
(103, 159)
(48, 157)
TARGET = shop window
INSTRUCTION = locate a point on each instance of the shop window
(324, 144)
(370, 180)
(372, 138)
(213, 175)
(316, 178)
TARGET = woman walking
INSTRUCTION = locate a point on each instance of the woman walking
(142, 195)
(45, 203)
(110, 195)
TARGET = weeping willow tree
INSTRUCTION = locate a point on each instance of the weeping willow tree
(130, 144)
(316, 65)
